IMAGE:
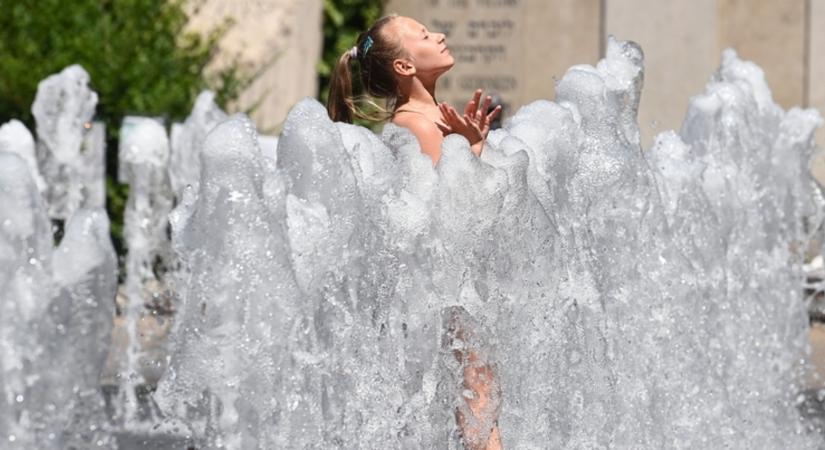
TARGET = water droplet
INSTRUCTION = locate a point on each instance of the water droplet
(19, 399)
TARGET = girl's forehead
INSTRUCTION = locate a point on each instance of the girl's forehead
(409, 25)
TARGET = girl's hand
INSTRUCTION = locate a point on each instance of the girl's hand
(474, 124)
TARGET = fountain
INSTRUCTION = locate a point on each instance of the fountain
(144, 157)
(70, 147)
(624, 298)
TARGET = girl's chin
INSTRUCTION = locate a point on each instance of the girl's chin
(445, 68)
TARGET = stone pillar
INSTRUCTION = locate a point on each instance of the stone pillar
(771, 34)
(816, 64)
(558, 34)
(519, 47)
(680, 54)
(281, 38)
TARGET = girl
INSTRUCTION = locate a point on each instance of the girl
(400, 60)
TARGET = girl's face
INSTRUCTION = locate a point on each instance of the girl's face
(427, 51)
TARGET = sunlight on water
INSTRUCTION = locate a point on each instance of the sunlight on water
(622, 298)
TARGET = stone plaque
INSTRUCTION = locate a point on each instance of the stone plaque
(513, 49)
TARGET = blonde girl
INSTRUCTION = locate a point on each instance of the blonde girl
(399, 60)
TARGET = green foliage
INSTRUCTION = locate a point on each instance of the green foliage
(139, 58)
(343, 21)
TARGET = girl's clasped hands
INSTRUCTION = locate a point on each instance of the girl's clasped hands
(474, 124)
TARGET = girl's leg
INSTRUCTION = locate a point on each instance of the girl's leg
(478, 421)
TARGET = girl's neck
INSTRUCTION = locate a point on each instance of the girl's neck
(417, 95)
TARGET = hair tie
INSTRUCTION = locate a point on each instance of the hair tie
(367, 45)
(353, 52)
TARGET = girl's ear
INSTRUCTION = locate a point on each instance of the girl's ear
(403, 67)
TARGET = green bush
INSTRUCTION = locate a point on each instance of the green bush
(139, 58)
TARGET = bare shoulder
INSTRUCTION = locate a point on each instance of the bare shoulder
(419, 124)
(426, 131)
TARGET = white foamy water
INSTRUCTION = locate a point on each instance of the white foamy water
(55, 319)
(328, 281)
(623, 298)
(144, 161)
(70, 158)
(187, 141)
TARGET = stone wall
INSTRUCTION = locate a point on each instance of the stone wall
(519, 48)
(281, 39)
(516, 49)
(682, 40)
(815, 79)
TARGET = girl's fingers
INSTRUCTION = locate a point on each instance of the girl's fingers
(470, 121)
(454, 114)
(447, 112)
(494, 113)
(486, 106)
(471, 107)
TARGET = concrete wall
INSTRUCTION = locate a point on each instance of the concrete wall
(678, 58)
(816, 75)
(514, 48)
(557, 35)
(682, 41)
(772, 34)
(281, 39)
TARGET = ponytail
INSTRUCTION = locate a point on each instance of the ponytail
(374, 51)
(341, 105)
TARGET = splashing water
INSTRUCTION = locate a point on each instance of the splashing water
(25, 259)
(329, 292)
(187, 141)
(622, 298)
(55, 319)
(71, 160)
(144, 156)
